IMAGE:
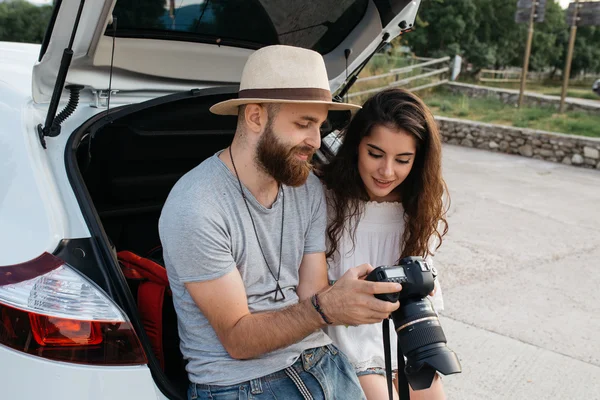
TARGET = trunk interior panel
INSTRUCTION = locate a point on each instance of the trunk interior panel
(133, 163)
(129, 166)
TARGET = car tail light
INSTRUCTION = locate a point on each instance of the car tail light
(50, 310)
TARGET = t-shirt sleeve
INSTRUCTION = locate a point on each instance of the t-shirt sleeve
(197, 245)
(315, 235)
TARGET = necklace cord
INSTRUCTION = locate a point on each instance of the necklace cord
(278, 287)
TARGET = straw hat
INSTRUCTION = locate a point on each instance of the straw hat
(283, 74)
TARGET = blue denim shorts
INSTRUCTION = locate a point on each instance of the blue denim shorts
(320, 373)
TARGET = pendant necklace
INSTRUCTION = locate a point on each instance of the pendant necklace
(279, 296)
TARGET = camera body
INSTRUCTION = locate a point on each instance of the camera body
(421, 339)
(414, 273)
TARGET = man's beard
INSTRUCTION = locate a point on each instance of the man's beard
(280, 161)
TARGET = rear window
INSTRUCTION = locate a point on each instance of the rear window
(320, 25)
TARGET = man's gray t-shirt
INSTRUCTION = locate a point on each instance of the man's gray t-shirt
(206, 232)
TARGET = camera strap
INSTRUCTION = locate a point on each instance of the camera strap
(402, 381)
(388, 356)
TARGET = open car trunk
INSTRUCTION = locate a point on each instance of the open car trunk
(123, 167)
(130, 165)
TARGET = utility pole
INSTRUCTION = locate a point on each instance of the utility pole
(527, 52)
(567, 70)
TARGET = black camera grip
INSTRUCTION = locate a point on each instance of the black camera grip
(379, 275)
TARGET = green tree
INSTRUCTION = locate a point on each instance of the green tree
(549, 38)
(485, 33)
(479, 30)
(23, 22)
(586, 53)
(442, 27)
(498, 29)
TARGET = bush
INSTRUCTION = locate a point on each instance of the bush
(23, 22)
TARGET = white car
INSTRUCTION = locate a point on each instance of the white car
(96, 125)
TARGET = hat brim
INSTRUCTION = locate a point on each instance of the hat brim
(230, 107)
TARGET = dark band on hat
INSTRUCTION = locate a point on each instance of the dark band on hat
(304, 94)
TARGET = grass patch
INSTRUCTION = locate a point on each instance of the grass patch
(444, 103)
(489, 110)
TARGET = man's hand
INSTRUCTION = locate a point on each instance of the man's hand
(351, 300)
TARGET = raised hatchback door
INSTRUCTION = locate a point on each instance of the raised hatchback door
(167, 45)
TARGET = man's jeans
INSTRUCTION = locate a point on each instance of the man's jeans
(319, 373)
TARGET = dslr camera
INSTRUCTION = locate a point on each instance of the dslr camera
(421, 339)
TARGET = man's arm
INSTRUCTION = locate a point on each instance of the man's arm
(244, 335)
(312, 275)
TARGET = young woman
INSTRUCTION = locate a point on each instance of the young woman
(385, 201)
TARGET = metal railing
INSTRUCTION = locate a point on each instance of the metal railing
(397, 72)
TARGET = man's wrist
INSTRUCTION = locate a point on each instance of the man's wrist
(313, 314)
(318, 308)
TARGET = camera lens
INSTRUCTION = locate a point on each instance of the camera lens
(422, 341)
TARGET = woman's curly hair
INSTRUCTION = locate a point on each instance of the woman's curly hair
(421, 193)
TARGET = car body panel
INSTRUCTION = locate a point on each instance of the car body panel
(31, 377)
(37, 205)
(30, 217)
(16, 60)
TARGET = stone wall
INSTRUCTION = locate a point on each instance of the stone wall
(557, 147)
(511, 96)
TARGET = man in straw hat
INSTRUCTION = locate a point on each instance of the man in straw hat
(244, 246)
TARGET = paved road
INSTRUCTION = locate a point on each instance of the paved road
(520, 272)
(574, 100)
(585, 102)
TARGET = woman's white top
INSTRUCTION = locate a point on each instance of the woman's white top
(377, 242)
